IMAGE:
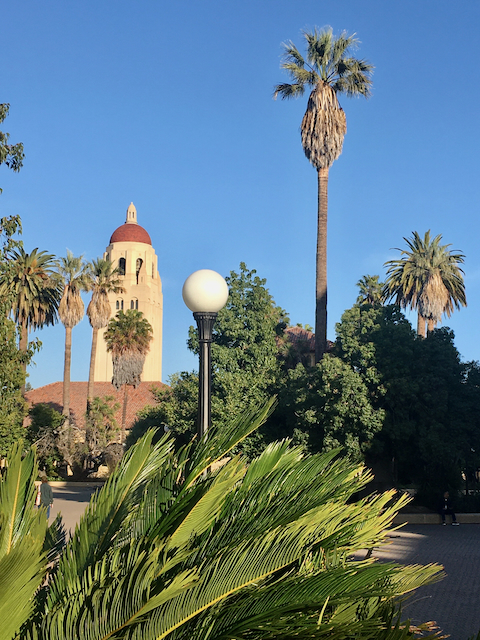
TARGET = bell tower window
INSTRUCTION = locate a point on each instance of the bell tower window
(138, 266)
(121, 266)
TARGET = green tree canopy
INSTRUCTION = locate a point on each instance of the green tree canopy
(245, 360)
(29, 291)
(424, 390)
(13, 408)
(326, 407)
(371, 290)
(11, 155)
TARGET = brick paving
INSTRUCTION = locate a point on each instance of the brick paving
(454, 602)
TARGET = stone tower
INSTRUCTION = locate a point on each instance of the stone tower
(131, 250)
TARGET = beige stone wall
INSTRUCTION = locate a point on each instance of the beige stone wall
(146, 290)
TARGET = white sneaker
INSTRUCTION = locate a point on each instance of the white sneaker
(455, 524)
(444, 524)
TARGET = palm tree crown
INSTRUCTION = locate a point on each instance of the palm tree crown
(371, 290)
(104, 279)
(28, 286)
(73, 276)
(29, 291)
(200, 544)
(128, 340)
(329, 69)
(427, 278)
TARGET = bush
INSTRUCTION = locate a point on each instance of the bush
(198, 543)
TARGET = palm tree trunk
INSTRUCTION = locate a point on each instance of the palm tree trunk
(91, 373)
(66, 371)
(124, 412)
(430, 326)
(23, 346)
(421, 325)
(321, 267)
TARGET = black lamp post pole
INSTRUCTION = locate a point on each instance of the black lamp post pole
(205, 321)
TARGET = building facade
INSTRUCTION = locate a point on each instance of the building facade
(131, 250)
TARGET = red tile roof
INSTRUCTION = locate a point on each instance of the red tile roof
(52, 394)
(298, 334)
(129, 232)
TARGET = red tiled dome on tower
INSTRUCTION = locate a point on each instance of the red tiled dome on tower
(131, 231)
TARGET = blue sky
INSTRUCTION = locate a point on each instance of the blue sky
(169, 105)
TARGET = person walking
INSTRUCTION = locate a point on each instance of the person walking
(446, 509)
(46, 495)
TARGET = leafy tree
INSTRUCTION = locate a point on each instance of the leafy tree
(329, 406)
(43, 432)
(10, 154)
(329, 70)
(13, 408)
(104, 280)
(371, 290)
(29, 291)
(12, 363)
(175, 410)
(73, 277)
(420, 384)
(427, 278)
(102, 428)
(156, 556)
(245, 362)
(128, 339)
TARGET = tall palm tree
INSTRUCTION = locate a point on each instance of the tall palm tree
(128, 339)
(329, 69)
(371, 290)
(30, 292)
(104, 280)
(427, 278)
(73, 276)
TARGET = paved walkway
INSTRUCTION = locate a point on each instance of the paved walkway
(454, 602)
(70, 500)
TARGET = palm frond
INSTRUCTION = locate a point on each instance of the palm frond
(102, 521)
(22, 533)
(169, 548)
(286, 91)
(223, 438)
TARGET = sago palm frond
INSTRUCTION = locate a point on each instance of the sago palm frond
(22, 534)
(223, 438)
(107, 511)
(176, 547)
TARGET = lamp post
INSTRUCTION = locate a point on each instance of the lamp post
(205, 292)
